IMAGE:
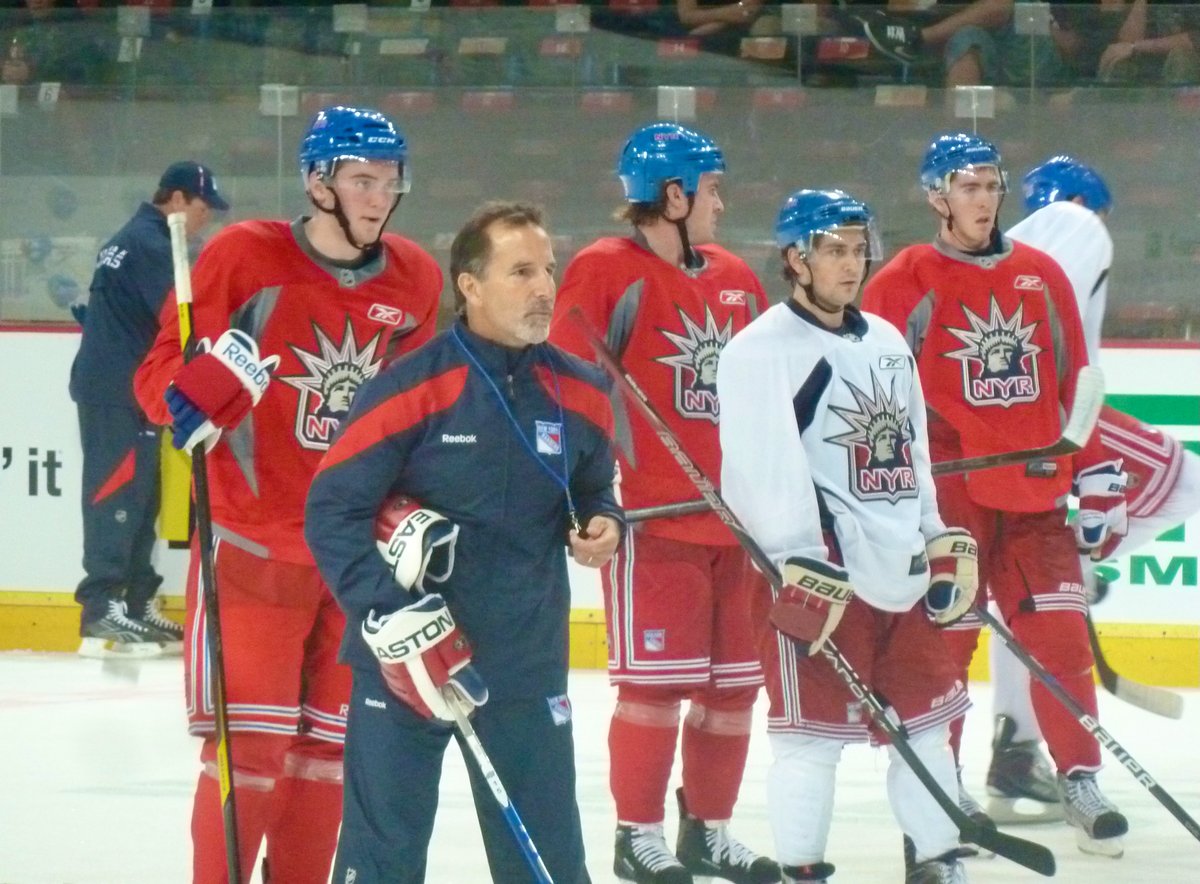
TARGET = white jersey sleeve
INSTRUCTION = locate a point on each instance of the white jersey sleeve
(765, 475)
(1079, 241)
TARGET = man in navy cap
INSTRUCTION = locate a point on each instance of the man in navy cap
(133, 275)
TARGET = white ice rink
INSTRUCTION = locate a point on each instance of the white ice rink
(97, 770)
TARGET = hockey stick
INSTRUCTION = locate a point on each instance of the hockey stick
(666, 511)
(1153, 699)
(1089, 723)
(524, 842)
(183, 301)
(1031, 855)
(1085, 411)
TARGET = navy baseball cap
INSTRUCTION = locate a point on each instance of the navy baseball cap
(194, 180)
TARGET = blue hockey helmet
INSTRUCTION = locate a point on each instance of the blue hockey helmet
(663, 152)
(1065, 178)
(352, 133)
(808, 213)
(958, 152)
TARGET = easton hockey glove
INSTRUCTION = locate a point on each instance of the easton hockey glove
(420, 650)
(953, 575)
(811, 603)
(417, 543)
(1102, 519)
(216, 389)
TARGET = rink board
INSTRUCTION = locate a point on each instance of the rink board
(1150, 623)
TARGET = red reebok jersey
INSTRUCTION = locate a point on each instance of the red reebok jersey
(333, 328)
(668, 327)
(999, 345)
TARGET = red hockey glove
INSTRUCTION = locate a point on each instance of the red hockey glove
(417, 543)
(810, 605)
(217, 388)
(953, 575)
(1102, 519)
(420, 651)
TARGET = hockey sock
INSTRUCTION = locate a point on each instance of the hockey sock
(641, 746)
(716, 740)
(252, 797)
(1010, 692)
(1059, 641)
(800, 787)
(305, 814)
(915, 809)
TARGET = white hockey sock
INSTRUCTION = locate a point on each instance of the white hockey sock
(918, 814)
(800, 796)
(1010, 691)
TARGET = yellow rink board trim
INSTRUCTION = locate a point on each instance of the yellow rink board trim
(1167, 655)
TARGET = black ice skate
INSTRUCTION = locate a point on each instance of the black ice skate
(944, 869)
(709, 850)
(169, 633)
(118, 636)
(1099, 825)
(815, 873)
(1020, 784)
(641, 854)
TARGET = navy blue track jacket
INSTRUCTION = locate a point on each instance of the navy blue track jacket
(432, 427)
(133, 274)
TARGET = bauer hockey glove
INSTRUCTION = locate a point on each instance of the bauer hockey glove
(810, 605)
(953, 575)
(1102, 519)
(216, 389)
(420, 650)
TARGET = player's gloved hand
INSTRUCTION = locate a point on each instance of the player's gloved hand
(417, 543)
(953, 575)
(421, 650)
(216, 389)
(811, 603)
(1102, 518)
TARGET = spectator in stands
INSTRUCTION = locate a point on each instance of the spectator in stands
(1154, 45)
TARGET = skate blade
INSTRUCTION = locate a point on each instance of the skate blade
(1024, 811)
(107, 649)
(1114, 848)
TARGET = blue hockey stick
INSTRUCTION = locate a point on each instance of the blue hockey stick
(524, 842)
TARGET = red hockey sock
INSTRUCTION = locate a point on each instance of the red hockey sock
(302, 836)
(208, 829)
(715, 744)
(641, 746)
(1070, 745)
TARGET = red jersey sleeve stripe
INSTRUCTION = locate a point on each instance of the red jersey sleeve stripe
(580, 397)
(395, 415)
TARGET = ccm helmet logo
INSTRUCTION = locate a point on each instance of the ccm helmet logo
(380, 139)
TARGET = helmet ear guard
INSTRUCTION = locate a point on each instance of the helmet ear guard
(416, 543)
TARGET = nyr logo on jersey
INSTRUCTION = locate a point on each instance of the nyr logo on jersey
(878, 443)
(327, 386)
(549, 437)
(999, 359)
(695, 365)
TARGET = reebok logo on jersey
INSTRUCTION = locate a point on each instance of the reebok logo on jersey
(384, 313)
(459, 439)
(1028, 282)
(892, 363)
(374, 704)
(732, 296)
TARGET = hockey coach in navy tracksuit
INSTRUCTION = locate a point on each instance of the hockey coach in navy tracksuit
(503, 444)
(133, 275)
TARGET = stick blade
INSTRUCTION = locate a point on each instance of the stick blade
(1030, 854)
(1085, 410)
(1162, 702)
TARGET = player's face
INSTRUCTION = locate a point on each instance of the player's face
(366, 193)
(706, 210)
(973, 201)
(838, 262)
(512, 301)
(196, 216)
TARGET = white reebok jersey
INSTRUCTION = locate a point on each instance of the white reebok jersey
(1079, 241)
(815, 422)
